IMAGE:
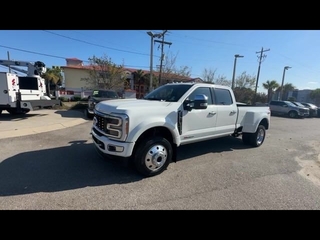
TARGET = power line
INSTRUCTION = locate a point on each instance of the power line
(94, 44)
(54, 56)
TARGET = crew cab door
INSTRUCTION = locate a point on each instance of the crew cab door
(227, 111)
(198, 123)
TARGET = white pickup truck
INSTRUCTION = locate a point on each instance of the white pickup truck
(148, 131)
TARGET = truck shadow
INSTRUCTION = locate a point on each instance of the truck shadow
(210, 146)
(78, 165)
(75, 166)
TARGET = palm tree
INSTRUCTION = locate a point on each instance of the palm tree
(52, 75)
(286, 89)
(139, 77)
(271, 86)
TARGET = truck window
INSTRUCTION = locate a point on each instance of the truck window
(202, 90)
(223, 96)
(28, 83)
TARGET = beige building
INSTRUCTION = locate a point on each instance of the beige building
(76, 76)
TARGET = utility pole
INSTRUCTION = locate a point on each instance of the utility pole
(152, 35)
(234, 69)
(162, 54)
(260, 58)
(281, 91)
(8, 54)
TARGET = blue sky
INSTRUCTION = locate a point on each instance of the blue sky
(197, 49)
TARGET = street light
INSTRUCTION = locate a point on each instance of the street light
(234, 68)
(152, 35)
(281, 90)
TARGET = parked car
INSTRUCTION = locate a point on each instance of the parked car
(287, 108)
(98, 96)
(313, 109)
(301, 105)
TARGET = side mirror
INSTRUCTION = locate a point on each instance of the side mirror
(200, 101)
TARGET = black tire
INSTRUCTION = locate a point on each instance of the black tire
(256, 139)
(90, 116)
(15, 111)
(152, 156)
(246, 138)
(292, 114)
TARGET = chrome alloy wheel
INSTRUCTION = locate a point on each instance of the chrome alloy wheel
(260, 136)
(156, 157)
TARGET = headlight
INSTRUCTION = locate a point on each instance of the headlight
(114, 126)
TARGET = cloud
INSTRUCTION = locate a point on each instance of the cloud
(312, 82)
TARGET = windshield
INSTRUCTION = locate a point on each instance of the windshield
(105, 94)
(310, 105)
(168, 93)
(299, 104)
(290, 104)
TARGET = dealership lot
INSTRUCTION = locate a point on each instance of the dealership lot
(60, 169)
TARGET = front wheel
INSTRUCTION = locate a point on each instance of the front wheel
(153, 156)
(293, 114)
(89, 115)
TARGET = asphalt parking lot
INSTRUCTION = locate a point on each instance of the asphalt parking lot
(61, 169)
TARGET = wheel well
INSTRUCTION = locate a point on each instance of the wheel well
(292, 111)
(264, 122)
(156, 131)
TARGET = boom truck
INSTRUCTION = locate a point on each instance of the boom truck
(21, 94)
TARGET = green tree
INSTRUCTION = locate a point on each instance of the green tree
(243, 94)
(286, 89)
(315, 96)
(52, 76)
(271, 86)
(261, 98)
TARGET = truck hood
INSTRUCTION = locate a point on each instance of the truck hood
(126, 105)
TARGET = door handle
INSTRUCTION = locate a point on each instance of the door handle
(212, 113)
(233, 111)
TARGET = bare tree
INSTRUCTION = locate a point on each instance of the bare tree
(208, 75)
(104, 73)
(245, 81)
(222, 80)
(183, 71)
(169, 68)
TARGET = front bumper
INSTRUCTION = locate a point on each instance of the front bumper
(111, 147)
(90, 111)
